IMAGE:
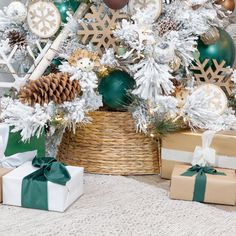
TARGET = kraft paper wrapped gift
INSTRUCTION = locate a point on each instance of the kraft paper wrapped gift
(219, 189)
(179, 148)
(3, 171)
(58, 197)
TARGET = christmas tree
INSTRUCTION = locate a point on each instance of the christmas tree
(168, 63)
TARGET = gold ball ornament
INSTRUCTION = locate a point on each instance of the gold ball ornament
(219, 101)
(227, 4)
(211, 36)
(135, 5)
(181, 95)
(175, 64)
(44, 18)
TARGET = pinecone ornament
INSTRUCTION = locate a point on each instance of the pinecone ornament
(17, 38)
(58, 88)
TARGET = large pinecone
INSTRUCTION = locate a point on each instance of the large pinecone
(58, 88)
(17, 38)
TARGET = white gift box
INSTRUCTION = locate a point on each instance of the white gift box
(59, 197)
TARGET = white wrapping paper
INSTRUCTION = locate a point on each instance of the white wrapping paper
(59, 197)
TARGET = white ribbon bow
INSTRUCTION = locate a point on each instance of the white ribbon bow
(16, 159)
(205, 155)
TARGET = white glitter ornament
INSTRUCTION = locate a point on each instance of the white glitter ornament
(135, 5)
(16, 11)
(218, 102)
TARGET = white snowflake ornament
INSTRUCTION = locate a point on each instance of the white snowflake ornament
(85, 64)
(16, 11)
(44, 19)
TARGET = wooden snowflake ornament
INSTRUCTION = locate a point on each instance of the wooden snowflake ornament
(44, 19)
(216, 74)
(99, 31)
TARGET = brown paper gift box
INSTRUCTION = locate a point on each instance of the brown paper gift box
(3, 171)
(219, 189)
(224, 143)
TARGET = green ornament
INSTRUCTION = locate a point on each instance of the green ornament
(222, 50)
(121, 51)
(63, 7)
(75, 4)
(53, 68)
(56, 61)
(114, 89)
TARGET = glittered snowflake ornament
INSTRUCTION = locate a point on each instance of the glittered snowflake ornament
(99, 27)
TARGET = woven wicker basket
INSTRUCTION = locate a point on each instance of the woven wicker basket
(110, 145)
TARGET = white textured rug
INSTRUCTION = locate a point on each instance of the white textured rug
(120, 206)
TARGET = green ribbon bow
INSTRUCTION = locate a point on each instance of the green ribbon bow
(201, 180)
(34, 192)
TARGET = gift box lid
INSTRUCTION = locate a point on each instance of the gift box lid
(223, 142)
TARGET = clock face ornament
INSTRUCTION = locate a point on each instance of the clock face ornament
(44, 19)
(135, 5)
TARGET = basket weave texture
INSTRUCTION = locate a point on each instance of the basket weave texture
(110, 145)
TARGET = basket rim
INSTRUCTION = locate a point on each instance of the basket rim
(113, 112)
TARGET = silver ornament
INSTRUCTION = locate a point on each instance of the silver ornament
(16, 11)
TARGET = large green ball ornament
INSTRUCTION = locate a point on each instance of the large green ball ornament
(75, 4)
(114, 87)
(222, 50)
(63, 7)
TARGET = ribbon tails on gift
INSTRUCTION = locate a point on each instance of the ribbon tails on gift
(34, 192)
(201, 180)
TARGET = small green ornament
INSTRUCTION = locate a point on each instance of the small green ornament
(222, 50)
(121, 50)
(63, 7)
(114, 89)
(53, 68)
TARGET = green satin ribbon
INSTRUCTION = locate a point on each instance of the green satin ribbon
(201, 180)
(34, 191)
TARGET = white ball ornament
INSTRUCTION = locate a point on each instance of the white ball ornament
(16, 11)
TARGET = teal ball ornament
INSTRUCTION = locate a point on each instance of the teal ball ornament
(75, 4)
(114, 89)
(222, 50)
(63, 7)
